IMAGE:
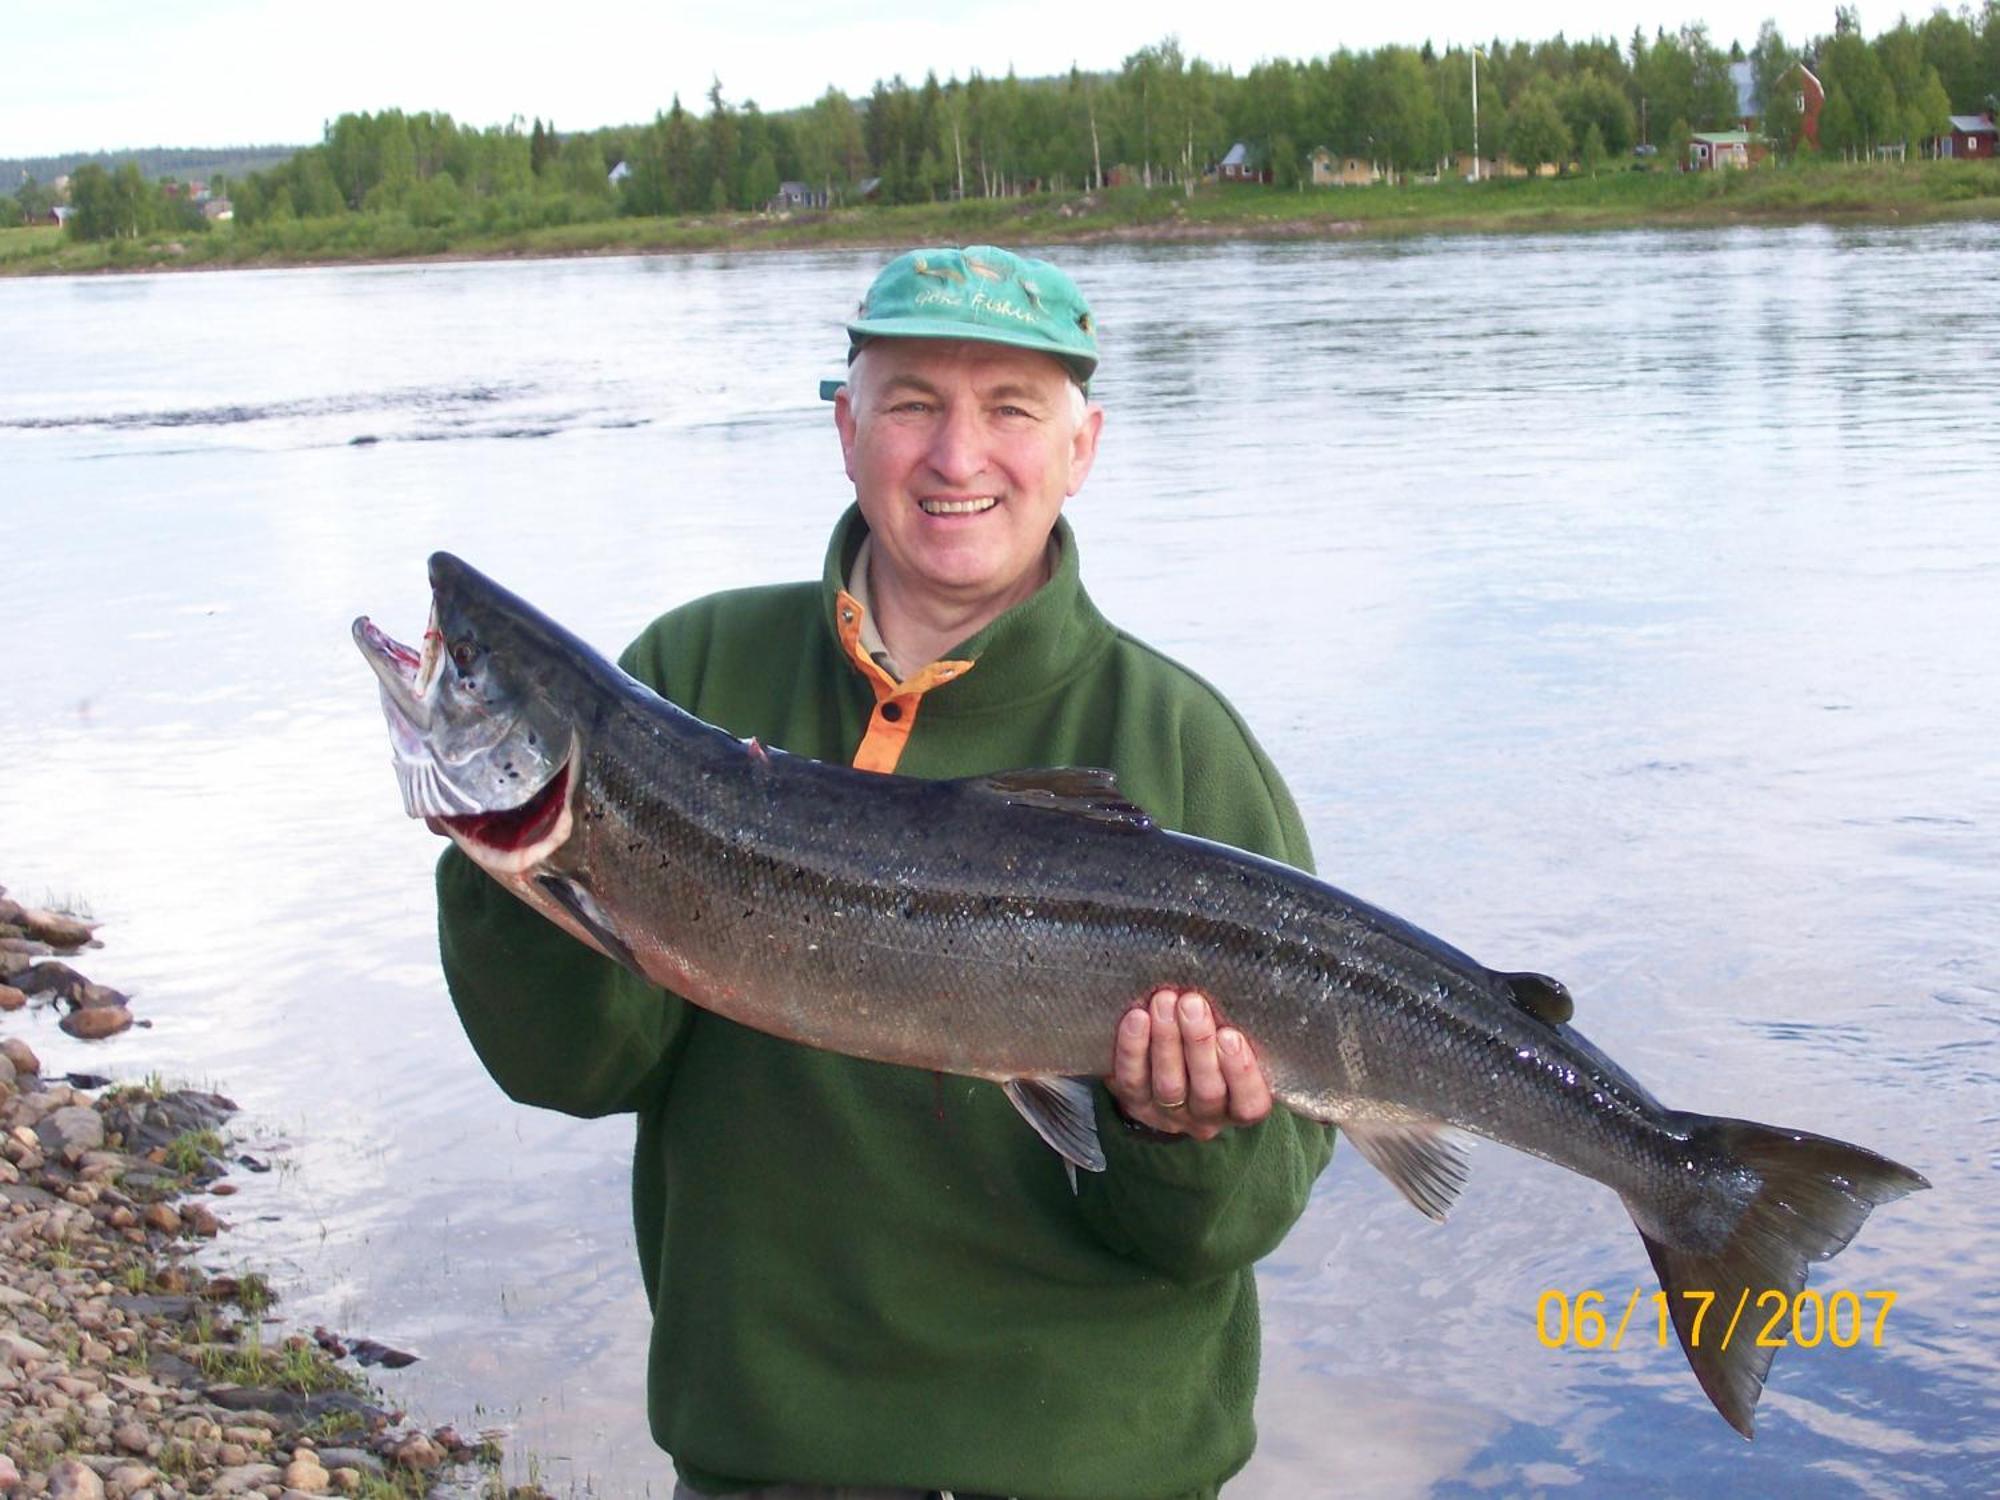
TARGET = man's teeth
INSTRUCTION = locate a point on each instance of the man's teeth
(958, 507)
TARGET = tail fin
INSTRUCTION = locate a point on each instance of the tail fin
(1809, 1196)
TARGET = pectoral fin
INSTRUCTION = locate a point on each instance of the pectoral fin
(1422, 1158)
(1064, 1113)
(575, 898)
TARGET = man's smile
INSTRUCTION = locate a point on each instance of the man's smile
(977, 505)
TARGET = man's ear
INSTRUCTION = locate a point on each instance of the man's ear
(843, 419)
(1083, 447)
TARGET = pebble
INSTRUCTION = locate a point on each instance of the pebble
(57, 929)
(21, 1055)
(11, 998)
(15, 1349)
(161, 1216)
(73, 1479)
(418, 1452)
(306, 1474)
(9, 1475)
(132, 1438)
(95, 1022)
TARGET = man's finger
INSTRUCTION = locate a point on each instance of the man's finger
(1249, 1090)
(1131, 1059)
(1208, 1094)
(1169, 1066)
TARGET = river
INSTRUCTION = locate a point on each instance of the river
(1624, 606)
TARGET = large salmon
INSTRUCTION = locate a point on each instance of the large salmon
(999, 926)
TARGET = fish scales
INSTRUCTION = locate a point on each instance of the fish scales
(868, 931)
(1000, 927)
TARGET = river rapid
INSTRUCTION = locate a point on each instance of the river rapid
(1622, 606)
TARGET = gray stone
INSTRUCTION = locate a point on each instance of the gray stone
(18, 1350)
(153, 1305)
(75, 1127)
(351, 1458)
(241, 1479)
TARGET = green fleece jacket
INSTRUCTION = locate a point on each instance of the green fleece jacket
(866, 1274)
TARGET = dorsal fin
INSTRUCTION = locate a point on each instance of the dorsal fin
(1539, 996)
(1082, 791)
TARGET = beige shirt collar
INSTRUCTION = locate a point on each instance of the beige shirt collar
(871, 638)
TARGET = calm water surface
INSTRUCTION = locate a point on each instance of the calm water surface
(1626, 607)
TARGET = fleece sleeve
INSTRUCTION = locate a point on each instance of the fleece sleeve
(1197, 1210)
(555, 1022)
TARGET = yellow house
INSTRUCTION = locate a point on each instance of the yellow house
(1329, 170)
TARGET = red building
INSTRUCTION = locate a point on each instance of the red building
(1972, 138)
(1811, 97)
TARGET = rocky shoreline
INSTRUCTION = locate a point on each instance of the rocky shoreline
(127, 1372)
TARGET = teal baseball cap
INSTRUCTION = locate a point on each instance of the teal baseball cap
(981, 294)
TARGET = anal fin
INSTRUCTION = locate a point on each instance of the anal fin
(1064, 1113)
(1423, 1159)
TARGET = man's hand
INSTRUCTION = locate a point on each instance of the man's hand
(1174, 1071)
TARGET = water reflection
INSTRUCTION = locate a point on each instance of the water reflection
(1619, 606)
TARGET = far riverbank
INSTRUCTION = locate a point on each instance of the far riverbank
(1913, 192)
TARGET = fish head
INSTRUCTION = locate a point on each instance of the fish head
(483, 737)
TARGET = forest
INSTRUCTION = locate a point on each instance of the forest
(1163, 118)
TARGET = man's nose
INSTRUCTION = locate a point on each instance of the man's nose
(957, 451)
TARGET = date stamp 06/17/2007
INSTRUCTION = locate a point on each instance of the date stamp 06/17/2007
(1772, 1319)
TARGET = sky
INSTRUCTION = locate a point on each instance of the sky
(103, 74)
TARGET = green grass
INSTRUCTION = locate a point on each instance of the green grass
(188, 1150)
(1615, 198)
(22, 244)
(295, 1365)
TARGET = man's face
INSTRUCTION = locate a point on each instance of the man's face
(962, 455)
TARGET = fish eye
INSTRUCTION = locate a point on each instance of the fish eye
(462, 655)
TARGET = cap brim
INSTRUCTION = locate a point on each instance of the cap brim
(1079, 364)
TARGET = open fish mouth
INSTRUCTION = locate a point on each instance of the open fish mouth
(510, 827)
(405, 673)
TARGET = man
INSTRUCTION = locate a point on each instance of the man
(874, 1277)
